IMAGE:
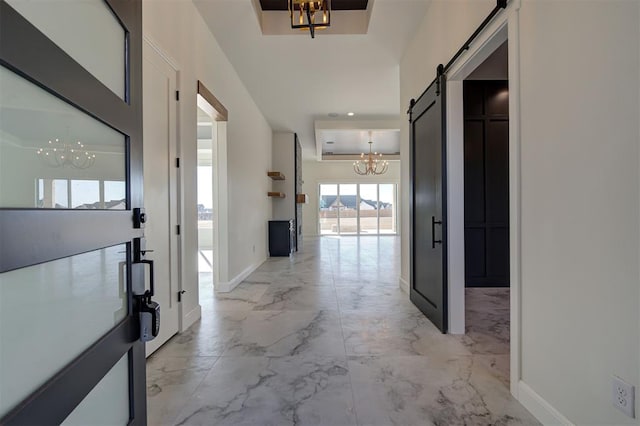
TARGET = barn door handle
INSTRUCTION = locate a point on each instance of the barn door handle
(434, 222)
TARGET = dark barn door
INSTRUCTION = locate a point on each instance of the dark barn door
(428, 205)
(486, 181)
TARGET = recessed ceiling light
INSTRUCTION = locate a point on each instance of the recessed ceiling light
(329, 142)
(351, 114)
(333, 114)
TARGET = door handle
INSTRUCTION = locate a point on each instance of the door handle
(148, 310)
(434, 222)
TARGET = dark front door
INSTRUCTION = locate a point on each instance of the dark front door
(428, 205)
(486, 183)
(70, 176)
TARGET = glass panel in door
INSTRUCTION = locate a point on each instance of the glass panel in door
(328, 207)
(387, 209)
(108, 403)
(61, 161)
(87, 30)
(50, 313)
(368, 208)
(348, 209)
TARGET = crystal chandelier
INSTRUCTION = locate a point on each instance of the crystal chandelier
(372, 164)
(303, 14)
(59, 154)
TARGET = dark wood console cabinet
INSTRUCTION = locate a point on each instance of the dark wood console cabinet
(281, 237)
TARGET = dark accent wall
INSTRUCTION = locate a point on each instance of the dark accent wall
(486, 183)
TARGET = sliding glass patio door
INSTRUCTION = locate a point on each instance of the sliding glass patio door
(357, 209)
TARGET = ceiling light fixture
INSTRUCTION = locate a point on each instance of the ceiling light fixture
(351, 114)
(372, 164)
(311, 14)
(60, 154)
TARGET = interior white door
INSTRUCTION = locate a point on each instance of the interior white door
(160, 187)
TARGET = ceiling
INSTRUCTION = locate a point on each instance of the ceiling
(335, 4)
(296, 80)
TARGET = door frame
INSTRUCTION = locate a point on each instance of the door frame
(504, 27)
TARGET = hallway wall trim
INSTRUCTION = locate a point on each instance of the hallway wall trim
(539, 407)
(226, 287)
(404, 285)
(190, 318)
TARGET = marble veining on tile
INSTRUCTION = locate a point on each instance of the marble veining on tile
(298, 298)
(273, 391)
(325, 337)
(288, 333)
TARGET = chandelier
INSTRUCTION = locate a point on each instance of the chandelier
(59, 154)
(372, 164)
(304, 13)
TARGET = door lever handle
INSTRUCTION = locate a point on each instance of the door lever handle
(434, 222)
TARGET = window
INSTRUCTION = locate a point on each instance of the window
(357, 209)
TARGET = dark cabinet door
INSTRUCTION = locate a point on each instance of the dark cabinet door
(486, 156)
(281, 237)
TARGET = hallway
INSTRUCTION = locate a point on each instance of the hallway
(326, 337)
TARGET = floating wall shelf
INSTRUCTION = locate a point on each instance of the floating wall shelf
(275, 175)
(276, 194)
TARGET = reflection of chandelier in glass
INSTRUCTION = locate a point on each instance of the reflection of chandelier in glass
(59, 154)
(372, 164)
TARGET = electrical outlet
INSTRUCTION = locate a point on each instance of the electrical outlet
(624, 397)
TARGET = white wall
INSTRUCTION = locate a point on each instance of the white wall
(178, 29)
(579, 140)
(580, 203)
(317, 172)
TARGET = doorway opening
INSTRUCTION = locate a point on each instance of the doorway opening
(483, 141)
(211, 201)
(207, 136)
(486, 207)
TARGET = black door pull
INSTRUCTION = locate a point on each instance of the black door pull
(434, 222)
(148, 310)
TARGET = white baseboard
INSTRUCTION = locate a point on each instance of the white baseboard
(404, 286)
(226, 287)
(191, 318)
(539, 407)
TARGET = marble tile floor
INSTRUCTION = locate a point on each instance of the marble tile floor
(326, 337)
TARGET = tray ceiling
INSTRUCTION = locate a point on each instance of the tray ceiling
(335, 4)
